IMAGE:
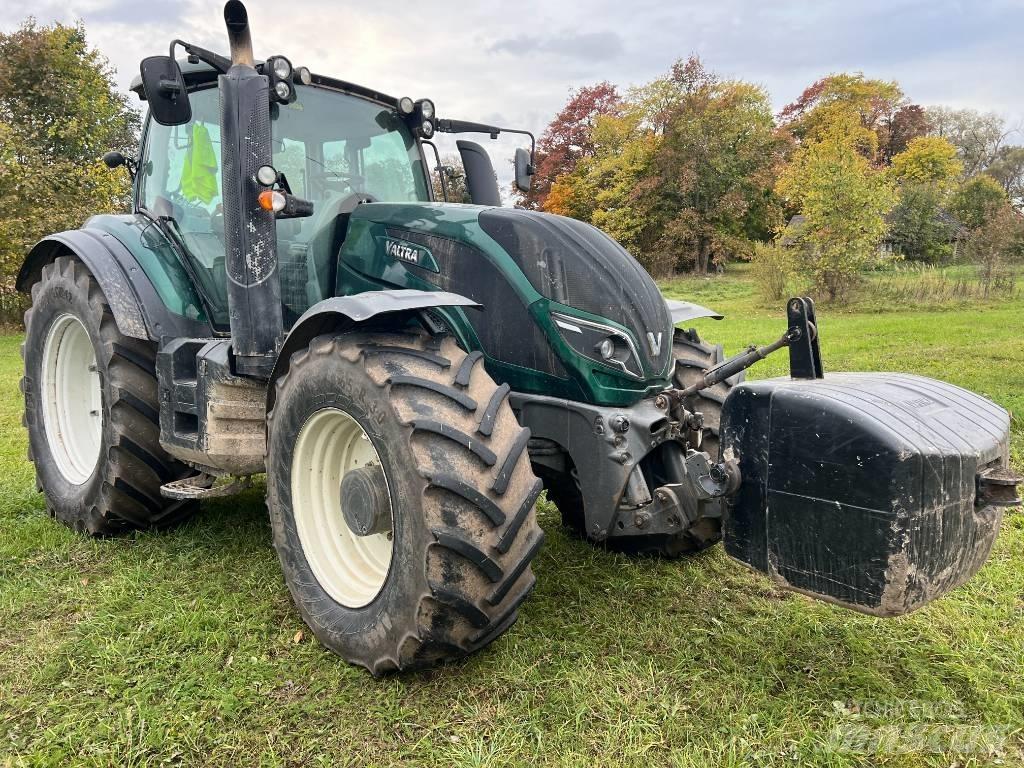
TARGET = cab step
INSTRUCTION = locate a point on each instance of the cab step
(205, 486)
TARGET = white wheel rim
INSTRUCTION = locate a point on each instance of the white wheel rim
(351, 569)
(72, 399)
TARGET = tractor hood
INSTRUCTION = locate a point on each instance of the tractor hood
(552, 289)
(576, 264)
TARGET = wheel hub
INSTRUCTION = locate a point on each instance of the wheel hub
(364, 501)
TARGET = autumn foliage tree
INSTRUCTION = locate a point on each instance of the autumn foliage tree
(568, 139)
(885, 120)
(843, 200)
(681, 172)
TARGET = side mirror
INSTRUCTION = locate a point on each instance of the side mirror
(165, 90)
(114, 160)
(524, 170)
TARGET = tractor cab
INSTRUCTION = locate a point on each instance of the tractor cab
(336, 145)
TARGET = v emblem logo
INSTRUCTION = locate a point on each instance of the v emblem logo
(654, 342)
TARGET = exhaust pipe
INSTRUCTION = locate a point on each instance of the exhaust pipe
(250, 233)
(237, 20)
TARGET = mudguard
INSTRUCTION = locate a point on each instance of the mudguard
(134, 302)
(681, 311)
(350, 311)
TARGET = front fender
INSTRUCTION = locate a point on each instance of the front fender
(138, 310)
(347, 312)
(681, 311)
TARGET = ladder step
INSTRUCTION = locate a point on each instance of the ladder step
(205, 486)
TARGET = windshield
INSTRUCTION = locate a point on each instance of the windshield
(332, 148)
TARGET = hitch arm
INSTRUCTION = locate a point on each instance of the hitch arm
(804, 359)
(738, 363)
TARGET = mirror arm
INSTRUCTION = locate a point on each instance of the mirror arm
(440, 170)
(464, 126)
(221, 63)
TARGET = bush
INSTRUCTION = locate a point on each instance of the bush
(772, 265)
(12, 304)
(994, 244)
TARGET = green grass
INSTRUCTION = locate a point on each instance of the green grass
(180, 647)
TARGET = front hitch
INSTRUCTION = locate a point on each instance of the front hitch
(804, 362)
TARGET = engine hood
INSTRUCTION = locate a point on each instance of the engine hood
(576, 264)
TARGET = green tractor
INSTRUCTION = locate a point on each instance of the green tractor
(287, 297)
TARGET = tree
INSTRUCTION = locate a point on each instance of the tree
(59, 112)
(843, 201)
(567, 139)
(925, 172)
(906, 124)
(928, 160)
(1008, 170)
(919, 227)
(978, 136)
(874, 113)
(716, 168)
(977, 200)
(996, 241)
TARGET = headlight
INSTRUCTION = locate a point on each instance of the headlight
(283, 91)
(266, 175)
(600, 343)
(427, 129)
(427, 109)
(281, 67)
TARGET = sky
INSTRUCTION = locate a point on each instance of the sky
(515, 64)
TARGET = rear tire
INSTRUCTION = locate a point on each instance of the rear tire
(460, 489)
(91, 411)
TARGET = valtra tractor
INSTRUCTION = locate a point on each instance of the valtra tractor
(287, 297)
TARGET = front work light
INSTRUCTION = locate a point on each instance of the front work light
(406, 106)
(303, 75)
(426, 109)
(281, 67)
(267, 175)
(279, 70)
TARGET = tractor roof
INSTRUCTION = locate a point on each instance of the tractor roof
(201, 73)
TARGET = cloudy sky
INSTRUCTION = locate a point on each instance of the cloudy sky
(513, 64)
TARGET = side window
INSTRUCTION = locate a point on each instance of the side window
(180, 178)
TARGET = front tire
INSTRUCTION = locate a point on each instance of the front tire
(448, 572)
(91, 411)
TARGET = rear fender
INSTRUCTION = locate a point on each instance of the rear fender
(133, 300)
(345, 313)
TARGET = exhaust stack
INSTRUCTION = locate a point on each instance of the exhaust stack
(250, 232)
(237, 20)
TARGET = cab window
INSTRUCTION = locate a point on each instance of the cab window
(334, 149)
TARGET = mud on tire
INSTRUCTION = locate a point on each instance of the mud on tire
(461, 489)
(123, 490)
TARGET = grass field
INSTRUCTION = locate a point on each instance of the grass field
(183, 648)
